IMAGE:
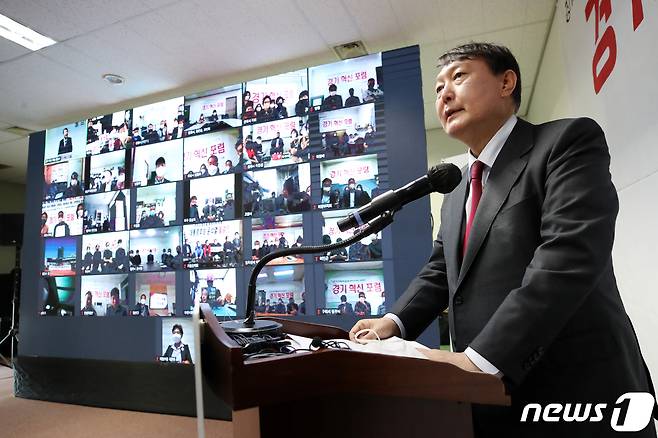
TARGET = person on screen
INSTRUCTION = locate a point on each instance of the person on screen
(369, 137)
(44, 223)
(213, 118)
(228, 252)
(62, 228)
(292, 308)
(136, 137)
(187, 249)
(348, 199)
(255, 251)
(345, 308)
(198, 250)
(237, 244)
(276, 147)
(107, 259)
(159, 176)
(352, 100)
(246, 103)
(333, 101)
(258, 111)
(163, 257)
(302, 305)
(80, 212)
(239, 149)
(371, 93)
(179, 130)
(375, 248)
(381, 309)
(74, 188)
(338, 254)
(267, 113)
(280, 111)
(265, 248)
(177, 351)
(169, 261)
(213, 169)
(377, 190)
(328, 197)
(177, 260)
(142, 306)
(120, 259)
(362, 307)
(280, 307)
(96, 259)
(358, 251)
(87, 261)
(115, 308)
(194, 209)
(121, 179)
(301, 107)
(88, 309)
(150, 259)
(214, 296)
(228, 167)
(92, 132)
(151, 134)
(66, 143)
(108, 184)
(138, 258)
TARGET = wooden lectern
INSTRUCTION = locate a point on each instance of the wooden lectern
(341, 393)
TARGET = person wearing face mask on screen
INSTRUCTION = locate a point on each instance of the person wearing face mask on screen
(212, 165)
(74, 188)
(178, 351)
(142, 307)
(328, 196)
(158, 177)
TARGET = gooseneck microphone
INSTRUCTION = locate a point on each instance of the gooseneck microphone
(442, 178)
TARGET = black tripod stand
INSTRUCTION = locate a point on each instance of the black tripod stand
(12, 334)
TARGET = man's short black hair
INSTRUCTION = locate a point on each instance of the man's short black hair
(160, 162)
(114, 292)
(303, 93)
(177, 326)
(498, 58)
(333, 87)
(343, 299)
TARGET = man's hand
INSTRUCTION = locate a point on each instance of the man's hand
(385, 328)
(457, 359)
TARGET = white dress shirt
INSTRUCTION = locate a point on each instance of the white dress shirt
(487, 157)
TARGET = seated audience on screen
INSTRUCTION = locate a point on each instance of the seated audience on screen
(115, 308)
(178, 351)
(88, 309)
(142, 306)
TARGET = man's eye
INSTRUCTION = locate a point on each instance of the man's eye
(457, 75)
(439, 89)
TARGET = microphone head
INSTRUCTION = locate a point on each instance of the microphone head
(316, 343)
(444, 177)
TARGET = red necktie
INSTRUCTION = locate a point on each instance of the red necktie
(476, 193)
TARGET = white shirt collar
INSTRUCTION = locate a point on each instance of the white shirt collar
(492, 149)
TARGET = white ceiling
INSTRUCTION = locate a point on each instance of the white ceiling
(170, 48)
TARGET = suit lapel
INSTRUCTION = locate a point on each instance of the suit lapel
(452, 236)
(508, 166)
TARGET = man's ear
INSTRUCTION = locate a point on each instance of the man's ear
(508, 83)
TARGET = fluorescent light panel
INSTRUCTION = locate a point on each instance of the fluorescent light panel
(22, 35)
(284, 273)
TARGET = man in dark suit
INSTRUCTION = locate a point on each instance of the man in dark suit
(65, 144)
(523, 256)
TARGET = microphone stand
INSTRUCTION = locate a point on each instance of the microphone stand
(251, 325)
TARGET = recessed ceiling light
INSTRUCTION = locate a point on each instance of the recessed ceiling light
(114, 79)
(22, 35)
(351, 50)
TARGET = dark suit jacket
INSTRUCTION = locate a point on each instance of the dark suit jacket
(185, 354)
(535, 293)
